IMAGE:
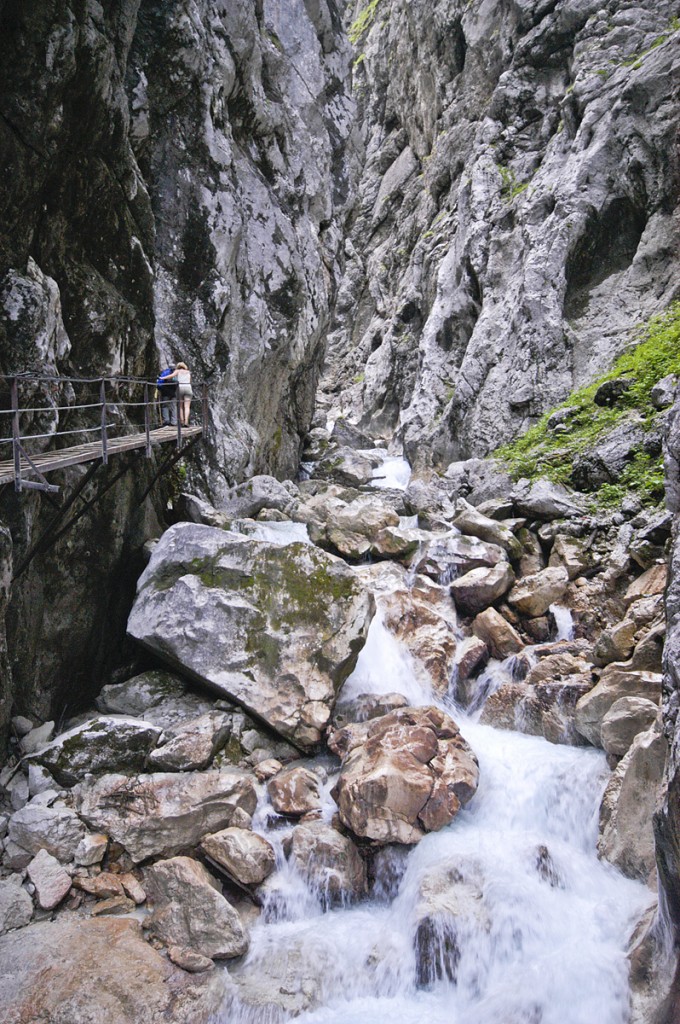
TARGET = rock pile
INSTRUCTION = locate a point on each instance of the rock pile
(146, 806)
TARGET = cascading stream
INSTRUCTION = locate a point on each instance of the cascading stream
(533, 931)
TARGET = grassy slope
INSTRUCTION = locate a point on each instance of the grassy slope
(544, 452)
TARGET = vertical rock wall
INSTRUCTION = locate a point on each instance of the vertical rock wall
(242, 115)
(517, 211)
(174, 185)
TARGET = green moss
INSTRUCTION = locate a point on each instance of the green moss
(510, 187)
(543, 452)
(363, 21)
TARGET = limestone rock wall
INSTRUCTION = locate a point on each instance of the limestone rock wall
(517, 211)
(175, 178)
(242, 118)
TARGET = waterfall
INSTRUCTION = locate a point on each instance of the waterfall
(523, 923)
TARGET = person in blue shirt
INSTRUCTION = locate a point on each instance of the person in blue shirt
(167, 391)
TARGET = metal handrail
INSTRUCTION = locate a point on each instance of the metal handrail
(107, 402)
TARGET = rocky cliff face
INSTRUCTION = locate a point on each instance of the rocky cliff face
(517, 211)
(241, 120)
(175, 179)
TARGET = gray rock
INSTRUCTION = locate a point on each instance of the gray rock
(617, 680)
(627, 717)
(451, 555)
(58, 830)
(21, 725)
(91, 849)
(104, 744)
(242, 615)
(250, 497)
(161, 814)
(18, 791)
(51, 882)
(37, 738)
(16, 906)
(192, 509)
(479, 588)
(663, 393)
(472, 523)
(606, 460)
(193, 744)
(626, 831)
(39, 780)
(189, 910)
(156, 696)
(244, 855)
(545, 500)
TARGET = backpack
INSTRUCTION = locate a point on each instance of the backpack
(161, 381)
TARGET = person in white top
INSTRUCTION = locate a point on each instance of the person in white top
(182, 375)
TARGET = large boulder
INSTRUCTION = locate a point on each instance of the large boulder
(404, 774)
(190, 911)
(58, 830)
(449, 555)
(497, 633)
(617, 680)
(104, 744)
(328, 861)
(545, 500)
(78, 971)
(276, 628)
(533, 595)
(243, 855)
(479, 588)
(162, 814)
(471, 522)
(627, 717)
(251, 496)
(628, 805)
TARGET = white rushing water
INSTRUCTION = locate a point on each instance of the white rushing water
(530, 927)
(394, 472)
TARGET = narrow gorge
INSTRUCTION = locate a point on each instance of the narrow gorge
(359, 702)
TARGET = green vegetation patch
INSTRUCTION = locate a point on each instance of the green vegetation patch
(549, 453)
(363, 21)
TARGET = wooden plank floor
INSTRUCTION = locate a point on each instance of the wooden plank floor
(63, 457)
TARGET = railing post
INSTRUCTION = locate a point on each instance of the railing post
(16, 436)
(178, 404)
(204, 409)
(147, 420)
(105, 446)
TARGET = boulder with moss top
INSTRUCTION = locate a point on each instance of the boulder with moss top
(276, 628)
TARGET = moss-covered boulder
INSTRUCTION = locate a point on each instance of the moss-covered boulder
(276, 628)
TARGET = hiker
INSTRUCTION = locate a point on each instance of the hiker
(167, 392)
(182, 375)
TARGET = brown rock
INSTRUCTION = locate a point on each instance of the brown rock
(617, 680)
(294, 791)
(52, 883)
(479, 588)
(102, 886)
(267, 769)
(533, 595)
(499, 636)
(653, 581)
(403, 774)
(133, 887)
(471, 654)
(190, 961)
(329, 862)
(114, 905)
(77, 971)
(246, 856)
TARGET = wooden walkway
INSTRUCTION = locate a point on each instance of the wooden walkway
(47, 462)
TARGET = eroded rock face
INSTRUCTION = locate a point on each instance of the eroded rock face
(277, 629)
(467, 304)
(250, 180)
(404, 774)
(161, 814)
